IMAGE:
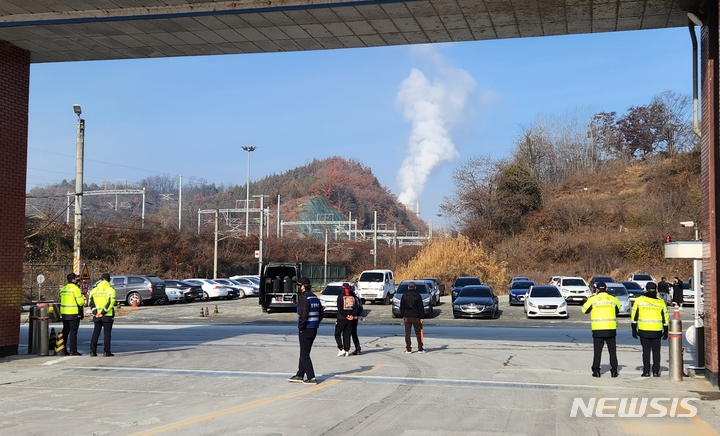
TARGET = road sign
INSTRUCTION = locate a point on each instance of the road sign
(85, 286)
(257, 254)
(85, 275)
(40, 278)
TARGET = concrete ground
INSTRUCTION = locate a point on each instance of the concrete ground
(212, 376)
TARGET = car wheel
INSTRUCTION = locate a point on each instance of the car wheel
(455, 316)
(161, 301)
(386, 300)
(205, 296)
(241, 294)
(134, 299)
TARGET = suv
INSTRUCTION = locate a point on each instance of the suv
(574, 289)
(376, 285)
(422, 288)
(641, 279)
(138, 289)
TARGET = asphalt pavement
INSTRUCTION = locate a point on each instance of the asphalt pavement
(175, 372)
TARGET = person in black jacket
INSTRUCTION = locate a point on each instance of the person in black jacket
(677, 287)
(663, 289)
(347, 304)
(413, 314)
(310, 313)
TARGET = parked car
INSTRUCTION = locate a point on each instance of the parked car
(174, 295)
(421, 288)
(554, 280)
(461, 282)
(598, 279)
(441, 285)
(545, 300)
(476, 301)
(139, 289)
(434, 291)
(328, 296)
(211, 289)
(634, 290)
(252, 285)
(238, 290)
(520, 279)
(620, 292)
(574, 289)
(641, 279)
(517, 291)
(376, 285)
(191, 292)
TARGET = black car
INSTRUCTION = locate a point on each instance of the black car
(634, 289)
(461, 282)
(475, 301)
(191, 292)
(597, 279)
(439, 282)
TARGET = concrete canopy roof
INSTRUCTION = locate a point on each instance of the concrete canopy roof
(74, 30)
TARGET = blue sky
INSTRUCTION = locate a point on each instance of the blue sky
(190, 116)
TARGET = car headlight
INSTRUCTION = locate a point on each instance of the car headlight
(530, 303)
(426, 300)
(456, 306)
(563, 304)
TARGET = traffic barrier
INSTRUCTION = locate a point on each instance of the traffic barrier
(676, 348)
(202, 314)
(59, 344)
(52, 340)
(216, 309)
(42, 324)
(207, 312)
(33, 330)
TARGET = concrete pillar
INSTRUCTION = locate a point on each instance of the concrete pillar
(14, 94)
(711, 186)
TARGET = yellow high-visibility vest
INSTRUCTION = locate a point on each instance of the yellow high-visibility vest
(102, 297)
(70, 299)
(651, 314)
(602, 316)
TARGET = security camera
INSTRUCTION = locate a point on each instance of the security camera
(687, 223)
(76, 108)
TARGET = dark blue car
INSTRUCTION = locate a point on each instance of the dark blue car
(517, 291)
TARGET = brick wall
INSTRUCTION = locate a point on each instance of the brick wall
(14, 93)
(710, 42)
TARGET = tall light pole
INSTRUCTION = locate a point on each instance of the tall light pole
(79, 152)
(248, 148)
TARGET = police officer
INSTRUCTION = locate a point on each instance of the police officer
(102, 302)
(650, 322)
(71, 305)
(603, 309)
(310, 314)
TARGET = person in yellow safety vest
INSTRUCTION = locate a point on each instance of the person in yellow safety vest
(102, 302)
(650, 321)
(71, 307)
(603, 309)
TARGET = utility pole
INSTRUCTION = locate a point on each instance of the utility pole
(248, 148)
(216, 243)
(79, 154)
(375, 240)
(260, 234)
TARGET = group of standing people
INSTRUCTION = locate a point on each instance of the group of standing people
(664, 287)
(101, 300)
(649, 319)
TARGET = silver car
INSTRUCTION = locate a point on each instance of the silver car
(618, 291)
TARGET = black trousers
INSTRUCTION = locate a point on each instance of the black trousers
(105, 324)
(650, 345)
(343, 330)
(354, 335)
(70, 332)
(598, 344)
(305, 366)
(417, 325)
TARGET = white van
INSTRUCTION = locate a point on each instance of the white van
(376, 285)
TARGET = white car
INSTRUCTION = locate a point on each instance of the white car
(211, 288)
(618, 291)
(328, 297)
(574, 289)
(174, 295)
(642, 279)
(252, 283)
(241, 289)
(545, 300)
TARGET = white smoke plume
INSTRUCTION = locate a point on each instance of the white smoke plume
(431, 107)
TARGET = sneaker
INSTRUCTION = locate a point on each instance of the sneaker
(356, 353)
(312, 381)
(296, 379)
(421, 351)
(341, 353)
(408, 351)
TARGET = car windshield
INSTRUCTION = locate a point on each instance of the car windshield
(371, 277)
(643, 277)
(632, 285)
(603, 279)
(618, 291)
(419, 288)
(545, 292)
(235, 282)
(464, 281)
(522, 285)
(573, 282)
(472, 291)
(332, 290)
